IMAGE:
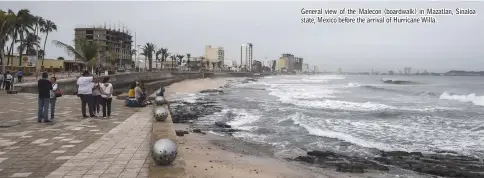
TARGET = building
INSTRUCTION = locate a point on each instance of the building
(214, 54)
(305, 67)
(257, 66)
(117, 41)
(49, 64)
(246, 55)
(285, 63)
(407, 70)
(298, 64)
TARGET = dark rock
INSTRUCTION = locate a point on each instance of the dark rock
(320, 153)
(354, 168)
(225, 130)
(222, 124)
(185, 112)
(197, 131)
(180, 133)
(212, 91)
(307, 159)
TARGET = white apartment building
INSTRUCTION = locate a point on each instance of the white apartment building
(214, 54)
(305, 68)
(246, 55)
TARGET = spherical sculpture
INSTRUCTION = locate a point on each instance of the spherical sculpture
(160, 92)
(164, 151)
(159, 100)
(161, 114)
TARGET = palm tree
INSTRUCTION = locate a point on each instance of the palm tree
(144, 53)
(173, 59)
(22, 24)
(158, 59)
(46, 28)
(40, 53)
(38, 22)
(29, 44)
(150, 49)
(164, 55)
(133, 53)
(213, 66)
(180, 59)
(86, 51)
(6, 20)
(188, 60)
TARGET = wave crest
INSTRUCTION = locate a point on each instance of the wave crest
(473, 98)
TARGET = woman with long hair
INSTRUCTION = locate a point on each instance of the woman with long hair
(96, 96)
(53, 97)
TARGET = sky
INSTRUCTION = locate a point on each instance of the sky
(453, 43)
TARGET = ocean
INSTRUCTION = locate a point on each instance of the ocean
(352, 115)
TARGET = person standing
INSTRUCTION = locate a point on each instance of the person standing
(44, 86)
(53, 97)
(96, 96)
(106, 89)
(19, 76)
(4, 80)
(84, 91)
(1, 81)
(8, 80)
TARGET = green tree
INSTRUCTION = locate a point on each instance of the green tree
(22, 24)
(148, 50)
(6, 27)
(87, 51)
(60, 58)
(157, 56)
(47, 27)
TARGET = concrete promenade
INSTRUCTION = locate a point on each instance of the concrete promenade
(72, 146)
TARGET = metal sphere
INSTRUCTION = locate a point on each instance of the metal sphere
(159, 100)
(160, 113)
(164, 151)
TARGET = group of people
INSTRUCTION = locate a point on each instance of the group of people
(95, 94)
(48, 93)
(6, 80)
(137, 96)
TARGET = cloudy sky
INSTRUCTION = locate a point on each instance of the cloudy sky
(455, 42)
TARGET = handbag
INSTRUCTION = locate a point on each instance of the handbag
(58, 93)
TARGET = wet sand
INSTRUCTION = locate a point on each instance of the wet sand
(207, 155)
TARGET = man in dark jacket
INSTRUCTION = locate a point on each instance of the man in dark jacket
(44, 88)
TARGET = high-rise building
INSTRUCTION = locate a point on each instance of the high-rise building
(214, 54)
(305, 67)
(298, 64)
(246, 55)
(114, 44)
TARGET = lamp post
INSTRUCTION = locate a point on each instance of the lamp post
(137, 60)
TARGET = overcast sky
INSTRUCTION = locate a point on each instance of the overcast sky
(455, 42)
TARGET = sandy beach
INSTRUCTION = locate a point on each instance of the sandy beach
(208, 155)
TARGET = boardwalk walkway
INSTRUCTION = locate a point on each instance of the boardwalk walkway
(72, 146)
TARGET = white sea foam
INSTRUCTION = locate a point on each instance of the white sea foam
(243, 118)
(412, 134)
(473, 98)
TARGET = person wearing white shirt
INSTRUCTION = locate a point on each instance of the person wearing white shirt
(106, 89)
(8, 80)
(84, 91)
(53, 98)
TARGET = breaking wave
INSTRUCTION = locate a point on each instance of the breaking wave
(472, 98)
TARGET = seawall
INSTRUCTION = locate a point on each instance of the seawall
(120, 81)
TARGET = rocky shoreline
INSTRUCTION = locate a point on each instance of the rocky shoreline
(440, 163)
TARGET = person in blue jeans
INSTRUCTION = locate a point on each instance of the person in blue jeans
(44, 86)
(53, 98)
(20, 75)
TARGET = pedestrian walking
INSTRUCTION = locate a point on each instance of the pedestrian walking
(106, 89)
(84, 91)
(8, 81)
(53, 97)
(96, 96)
(20, 75)
(4, 80)
(44, 86)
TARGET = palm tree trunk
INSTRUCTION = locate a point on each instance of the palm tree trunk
(14, 37)
(21, 52)
(43, 55)
(2, 54)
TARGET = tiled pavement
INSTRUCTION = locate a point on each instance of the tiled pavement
(31, 149)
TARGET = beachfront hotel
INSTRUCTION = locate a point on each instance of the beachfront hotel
(120, 42)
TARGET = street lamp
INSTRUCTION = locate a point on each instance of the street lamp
(137, 60)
